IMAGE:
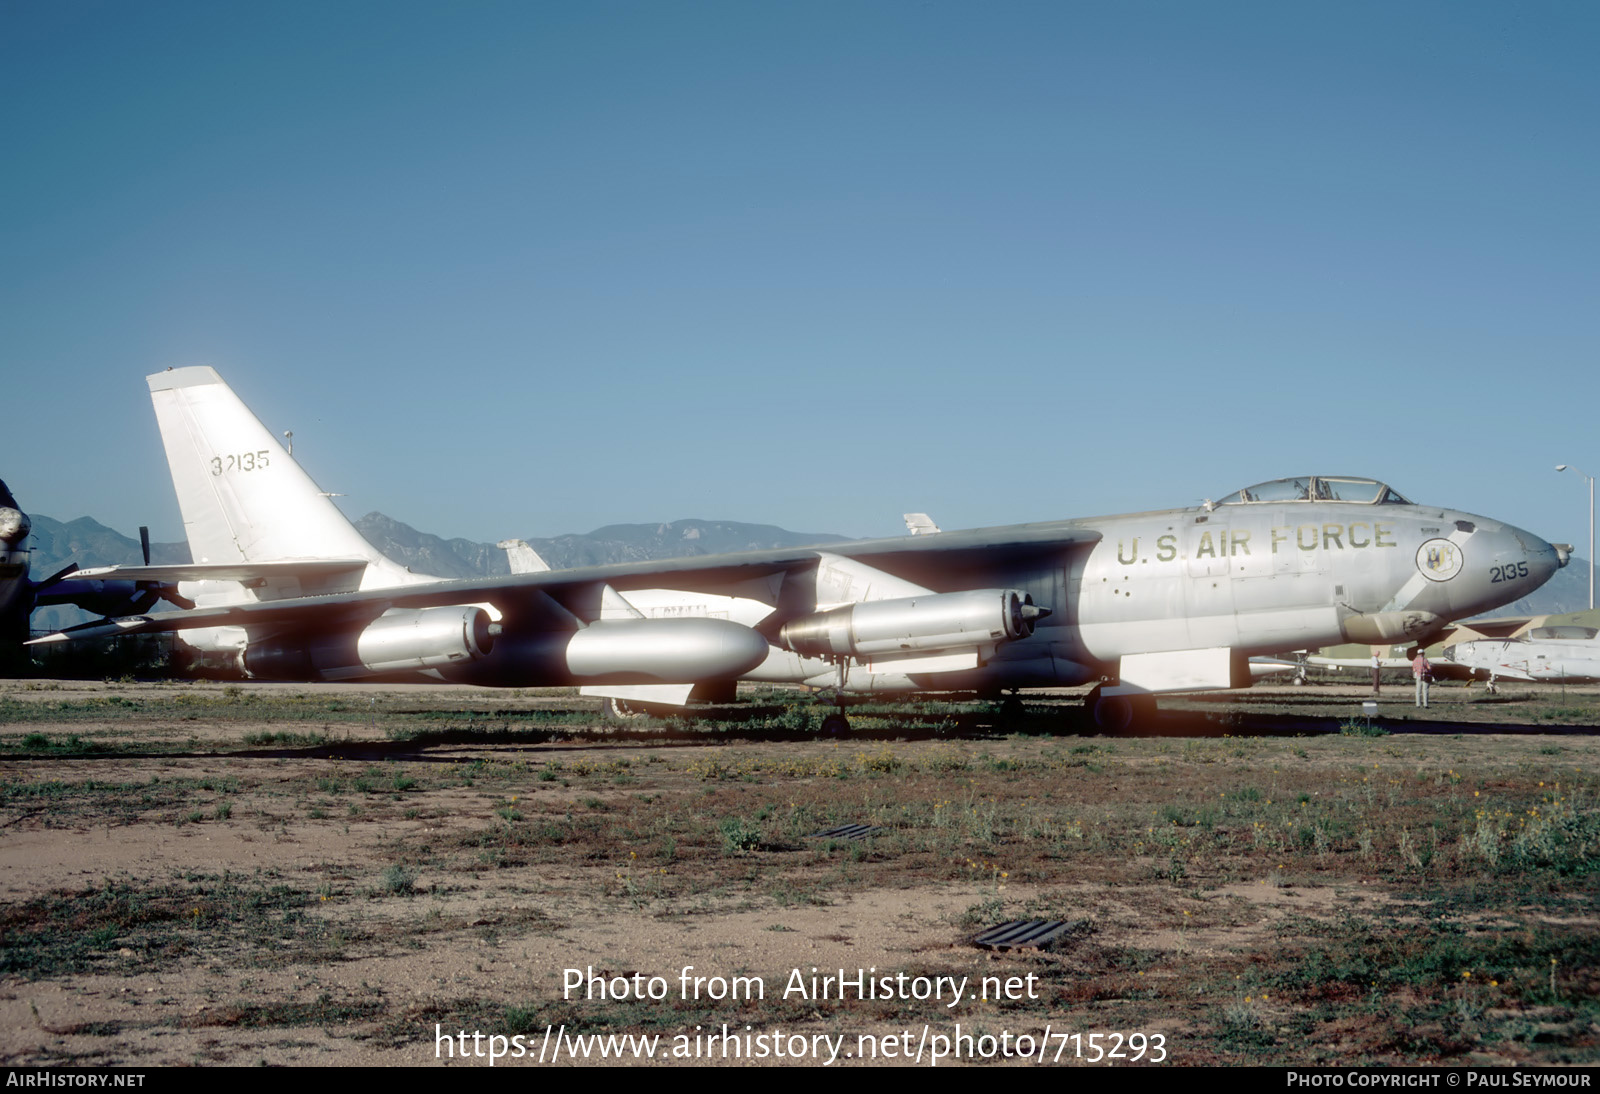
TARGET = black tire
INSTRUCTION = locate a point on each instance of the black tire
(835, 725)
(1115, 714)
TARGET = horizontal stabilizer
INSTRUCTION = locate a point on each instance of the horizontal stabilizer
(229, 571)
(99, 628)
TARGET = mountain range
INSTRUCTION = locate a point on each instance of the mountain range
(87, 542)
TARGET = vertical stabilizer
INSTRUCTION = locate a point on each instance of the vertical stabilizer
(243, 498)
(522, 558)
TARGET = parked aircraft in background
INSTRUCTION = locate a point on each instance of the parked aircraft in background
(16, 593)
(1155, 602)
(1545, 655)
(20, 595)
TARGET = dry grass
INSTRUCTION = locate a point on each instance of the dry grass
(359, 874)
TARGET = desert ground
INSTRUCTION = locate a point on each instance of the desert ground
(200, 873)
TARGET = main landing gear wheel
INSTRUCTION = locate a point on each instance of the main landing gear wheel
(1119, 713)
(835, 725)
(1011, 712)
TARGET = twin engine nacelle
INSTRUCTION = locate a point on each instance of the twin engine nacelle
(403, 640)
(915, 624)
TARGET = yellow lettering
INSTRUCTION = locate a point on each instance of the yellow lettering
(1364, 542)
(1166, 548)
(1332, 532)
(1132, 558)
(1277, 538)
(1300, 537)
(1241, 539)
(1206, 546)
(1381, 529)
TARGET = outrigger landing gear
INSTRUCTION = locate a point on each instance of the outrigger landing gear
(620, 710)
(836, 724)
(1011, 710)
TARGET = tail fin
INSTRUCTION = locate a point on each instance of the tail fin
(243, 497)
(522, 558)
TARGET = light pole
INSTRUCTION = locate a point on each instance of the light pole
(1579, 470)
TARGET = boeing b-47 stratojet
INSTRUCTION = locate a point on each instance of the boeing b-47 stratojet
(1175, 600)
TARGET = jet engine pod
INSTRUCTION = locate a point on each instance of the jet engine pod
(935, 621)
(663, 651)
(398, 641)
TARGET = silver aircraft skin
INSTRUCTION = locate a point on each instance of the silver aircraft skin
(1146, 603)
(1545, 655)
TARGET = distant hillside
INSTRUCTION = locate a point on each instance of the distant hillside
(429, 554)
(87, 542)
(1567, 591)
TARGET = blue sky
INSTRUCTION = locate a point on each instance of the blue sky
(531, 268)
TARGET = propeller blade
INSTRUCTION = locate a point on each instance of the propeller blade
(144, 543)
(69, 568)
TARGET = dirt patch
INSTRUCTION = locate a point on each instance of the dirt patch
(292, 875)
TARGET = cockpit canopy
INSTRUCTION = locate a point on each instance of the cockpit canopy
(1316, 488)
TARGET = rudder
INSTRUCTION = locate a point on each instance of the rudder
(243, 497)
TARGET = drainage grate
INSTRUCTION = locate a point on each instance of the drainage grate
(1023, 934)
(849, 831)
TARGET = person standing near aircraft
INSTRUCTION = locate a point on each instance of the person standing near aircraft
(1422, 672)
(1377, 671)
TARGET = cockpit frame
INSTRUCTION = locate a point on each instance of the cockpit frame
(1353, 489)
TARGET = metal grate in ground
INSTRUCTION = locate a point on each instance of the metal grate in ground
(1023, 934)
(849, 831)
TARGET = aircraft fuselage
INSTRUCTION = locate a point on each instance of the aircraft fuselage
(1249, 578)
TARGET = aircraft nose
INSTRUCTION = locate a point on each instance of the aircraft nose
(1484, 565)
(14, 526)
(1543, 559)
(1518, 562)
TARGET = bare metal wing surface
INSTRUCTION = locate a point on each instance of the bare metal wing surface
(712, 574)
(1146, 602)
